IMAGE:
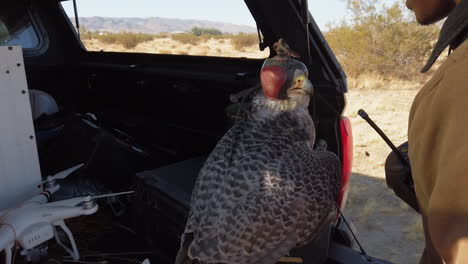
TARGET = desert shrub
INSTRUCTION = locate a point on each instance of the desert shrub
(86, 35)
(162, 35)
(186, 38)
(223, 36)
(108, 38)
(384, 41)
(128, 39)
(205, 38)
(198, 31)
(244, 40)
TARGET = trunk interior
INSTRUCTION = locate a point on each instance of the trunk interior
(175, 107)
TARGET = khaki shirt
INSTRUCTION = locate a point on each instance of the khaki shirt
(438, 137)
(438, 152)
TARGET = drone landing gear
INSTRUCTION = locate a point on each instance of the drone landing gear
(73, 252)
(35, 255)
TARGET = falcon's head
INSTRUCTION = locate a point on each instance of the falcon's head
(284, 78)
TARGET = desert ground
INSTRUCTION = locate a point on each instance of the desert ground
(387, 228)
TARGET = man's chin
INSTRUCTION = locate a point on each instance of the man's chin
(425, 21)
(422, 20)
(424, 17)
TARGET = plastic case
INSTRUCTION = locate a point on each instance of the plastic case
(162, 201)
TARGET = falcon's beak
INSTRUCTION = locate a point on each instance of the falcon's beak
(301, 84)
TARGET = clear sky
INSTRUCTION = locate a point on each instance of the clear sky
(231, 11)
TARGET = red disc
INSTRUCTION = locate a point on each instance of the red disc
(272, 78)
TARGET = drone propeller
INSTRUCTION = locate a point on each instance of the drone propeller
(111, 195)
(70, 202)
(77, 200)
(62, 174)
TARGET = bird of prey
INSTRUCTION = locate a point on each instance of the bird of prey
(263, 189)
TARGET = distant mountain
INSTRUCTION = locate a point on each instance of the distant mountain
(156, 25)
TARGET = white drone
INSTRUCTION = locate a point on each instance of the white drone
(35, 221)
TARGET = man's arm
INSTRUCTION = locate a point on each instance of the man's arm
(449, 233)
(447, 212)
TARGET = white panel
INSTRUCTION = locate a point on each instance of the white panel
(19, 163)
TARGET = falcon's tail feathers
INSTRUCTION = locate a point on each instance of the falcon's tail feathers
(280, 251)
(182, 256)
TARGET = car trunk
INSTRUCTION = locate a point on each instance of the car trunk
(176, 106)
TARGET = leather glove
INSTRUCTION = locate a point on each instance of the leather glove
(398, 176)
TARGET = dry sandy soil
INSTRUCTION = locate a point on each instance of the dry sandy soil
(387, 228)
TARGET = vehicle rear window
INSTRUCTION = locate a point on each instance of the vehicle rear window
(184, 27)
(16, 28)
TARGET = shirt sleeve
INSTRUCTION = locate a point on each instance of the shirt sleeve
(448, 204)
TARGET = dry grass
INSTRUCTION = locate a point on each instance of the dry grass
(242, 41)
(181, 45)
(162, 35)
(129, 40)
(186, 38)
(375, 82)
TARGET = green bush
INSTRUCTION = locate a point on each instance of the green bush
(386, 42)
(198, 31)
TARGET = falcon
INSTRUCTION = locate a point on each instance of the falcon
(263, 190)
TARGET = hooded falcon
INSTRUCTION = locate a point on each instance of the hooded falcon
(263, 189)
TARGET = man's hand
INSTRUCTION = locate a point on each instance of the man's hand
(398, 177)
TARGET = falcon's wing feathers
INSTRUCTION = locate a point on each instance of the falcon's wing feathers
(215, 163)
(244, 221)
(316, 176)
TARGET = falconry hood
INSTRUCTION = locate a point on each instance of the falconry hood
(283, 76)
